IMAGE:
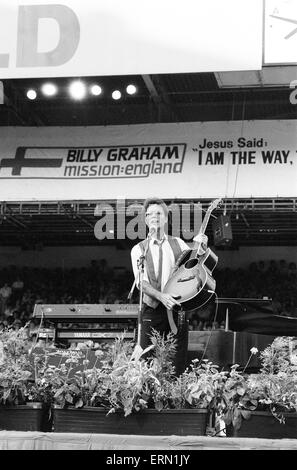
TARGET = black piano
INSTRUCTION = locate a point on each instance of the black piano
(256, 316)
(248, 323)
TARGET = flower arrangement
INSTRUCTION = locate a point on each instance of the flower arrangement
(276, 383)
(126, 381)
(62, 377)
(131, 383)
(273, 388)
(118, 379)
(238, 398)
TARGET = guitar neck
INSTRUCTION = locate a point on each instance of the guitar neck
(205, 222)
(202, 230)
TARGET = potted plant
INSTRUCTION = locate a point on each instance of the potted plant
(17, 412)
(137, 394)
(118, 389)
(264, 404)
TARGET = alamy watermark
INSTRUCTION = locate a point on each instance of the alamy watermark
(122, 221)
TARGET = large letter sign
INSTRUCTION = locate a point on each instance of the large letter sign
(28, 27)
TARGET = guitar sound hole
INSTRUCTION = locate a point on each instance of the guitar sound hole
(191, 263)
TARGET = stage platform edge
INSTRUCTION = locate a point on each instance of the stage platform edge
(17, 440)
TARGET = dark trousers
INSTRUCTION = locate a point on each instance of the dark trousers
(156, 318)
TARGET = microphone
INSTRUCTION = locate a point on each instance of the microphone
(152, 231)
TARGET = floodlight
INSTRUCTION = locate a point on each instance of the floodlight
(131, 89)
(31, 94)
(77, 90)
(96, 90)
(49, 89)
(116, 94)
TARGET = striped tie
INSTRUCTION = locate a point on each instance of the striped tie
(159, 281)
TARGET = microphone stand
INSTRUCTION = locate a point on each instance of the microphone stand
(140, 266)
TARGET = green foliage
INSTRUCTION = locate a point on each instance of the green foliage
(276, 384)
(15, 366)
(70, 382)
(163, 354)
(200, 386)
(238, 399)
(273, 389)
(126, 378)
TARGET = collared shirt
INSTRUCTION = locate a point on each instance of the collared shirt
(168, 259)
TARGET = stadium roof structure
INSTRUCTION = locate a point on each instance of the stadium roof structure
(254, 222)
(184, 97)
(224, 96)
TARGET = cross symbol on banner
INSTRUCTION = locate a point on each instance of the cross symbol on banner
(20, 162)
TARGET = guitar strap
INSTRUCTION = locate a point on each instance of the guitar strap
(178, 255)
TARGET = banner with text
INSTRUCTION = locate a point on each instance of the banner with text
(46, 38)
(185, 160)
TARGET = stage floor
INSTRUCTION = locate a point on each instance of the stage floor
(13, 440)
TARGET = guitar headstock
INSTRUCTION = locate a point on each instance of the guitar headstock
(211, 207)
(216, 203)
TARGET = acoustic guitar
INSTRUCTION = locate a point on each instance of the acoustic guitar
(192, 283)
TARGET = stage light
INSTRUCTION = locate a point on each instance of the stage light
(31, 94)
(49, 89)
(96, 90)
(116, 94)
(77, 90)
(131, 89)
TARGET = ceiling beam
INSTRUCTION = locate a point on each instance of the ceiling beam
(149, 83)
(160, 98)
(86, 222)
(12, 219)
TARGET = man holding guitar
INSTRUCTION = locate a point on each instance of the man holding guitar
(161, 254)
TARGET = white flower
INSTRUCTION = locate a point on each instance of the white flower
(293, 358)
(99, 353)
(254, 350)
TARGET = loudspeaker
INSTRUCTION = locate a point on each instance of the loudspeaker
(222, 230)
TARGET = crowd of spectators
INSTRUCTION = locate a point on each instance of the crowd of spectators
(276, 280)
(22, 288)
